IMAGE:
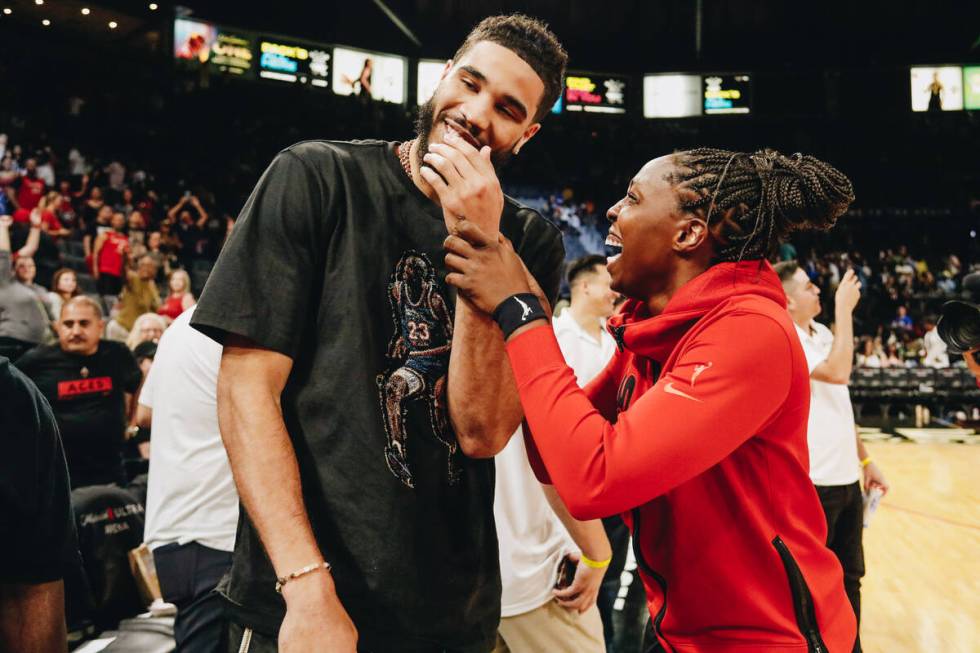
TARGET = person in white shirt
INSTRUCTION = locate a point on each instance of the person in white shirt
(534, 530)
(837, 455)
(191, 503)
(936, 354)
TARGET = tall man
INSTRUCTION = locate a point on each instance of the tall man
(89, 383)
(358, 405)
(837, 455)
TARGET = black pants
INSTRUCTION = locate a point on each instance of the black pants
(844, 507)
(109, 284)
(188, 574)
(619, 541)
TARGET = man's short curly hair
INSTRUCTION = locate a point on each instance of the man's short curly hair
(533, 41)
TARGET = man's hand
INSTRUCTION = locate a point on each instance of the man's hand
(465, 181)
(874, 478)
(848, 293)
(582, 593)
(315, 619)
(6, 221)
(485, 271)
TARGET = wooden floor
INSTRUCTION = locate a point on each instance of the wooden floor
(921, 593)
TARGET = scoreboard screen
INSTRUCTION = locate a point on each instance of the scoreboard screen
(429, 75)
(595, 93)
(672, 96)
(223, 49)
(971, 87)
(287, 61)
(376, 75)
(727, 94)
(937, 88)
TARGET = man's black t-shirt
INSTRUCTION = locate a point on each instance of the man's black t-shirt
(87, 394)
(337, 262)
(39, 543)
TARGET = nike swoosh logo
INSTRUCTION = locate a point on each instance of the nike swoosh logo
(670, 389)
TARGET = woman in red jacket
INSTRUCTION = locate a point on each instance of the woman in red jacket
(696, 431)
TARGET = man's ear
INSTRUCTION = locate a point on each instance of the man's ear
(528, 134)
(446, 69)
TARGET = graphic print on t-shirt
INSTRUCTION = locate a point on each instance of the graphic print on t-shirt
(418, 355)
(80, 387)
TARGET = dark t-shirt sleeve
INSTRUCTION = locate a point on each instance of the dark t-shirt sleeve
(543, 252)
(35, 500)
(265, 279)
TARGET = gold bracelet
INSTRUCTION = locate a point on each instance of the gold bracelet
(865, 462)
(308, 569)
(595, 564)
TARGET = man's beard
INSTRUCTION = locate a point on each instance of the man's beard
(426, 121)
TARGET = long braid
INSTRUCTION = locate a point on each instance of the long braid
(759, 198)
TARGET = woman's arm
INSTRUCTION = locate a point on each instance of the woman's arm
(678, 429)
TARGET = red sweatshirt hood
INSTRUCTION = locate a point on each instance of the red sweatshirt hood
(655, 337)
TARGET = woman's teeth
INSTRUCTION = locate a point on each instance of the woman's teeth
(614, 247)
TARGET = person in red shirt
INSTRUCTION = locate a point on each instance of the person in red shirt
(696, 430)
(50, 223)
(180, 298)
(110, 254)
(30, 187)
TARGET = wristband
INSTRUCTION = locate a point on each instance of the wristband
(865, 462)
(308, 569)
(516, 311)
(595, 564)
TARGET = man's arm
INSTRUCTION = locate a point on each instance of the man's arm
(837, 367)
(590, 538)
(872, 475)
(263, 463)
(484, 407)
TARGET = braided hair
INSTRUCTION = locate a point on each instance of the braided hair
(757, 199)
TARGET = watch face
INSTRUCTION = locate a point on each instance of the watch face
(84, 372)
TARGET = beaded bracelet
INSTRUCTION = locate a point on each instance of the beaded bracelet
(282, 580)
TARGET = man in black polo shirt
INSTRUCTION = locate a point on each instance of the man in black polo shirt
(359, 401)
(89, 384)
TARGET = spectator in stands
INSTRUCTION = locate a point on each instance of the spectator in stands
(29, 188)
(94, 203)
(147, 328)
(53, 224)
(192, 503)
(66, 205)
(25, 270)
(902, 319)
(64, 286)
(870, 355)
(837, 454)
(892, 359)
(126, 204)
(100, 223)
(111, 253)
(933, 345)
(89, 383)
(140, 295)
(189, 229)
(39, 547)
(155, 250)
(180, 298)
(24, 321)
(136, 232)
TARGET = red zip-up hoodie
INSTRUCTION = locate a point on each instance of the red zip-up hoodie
(696, 434)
